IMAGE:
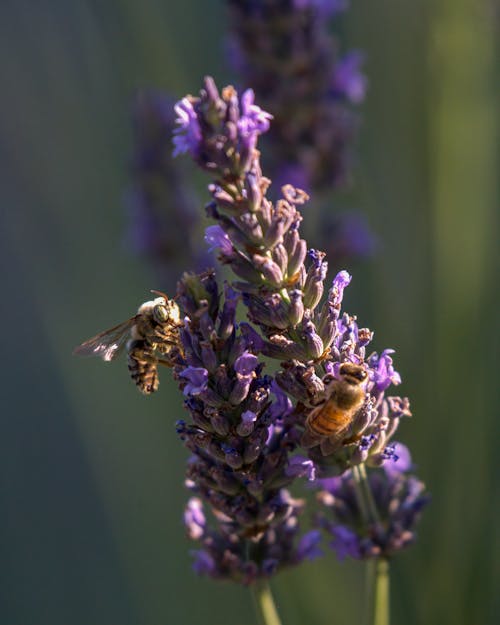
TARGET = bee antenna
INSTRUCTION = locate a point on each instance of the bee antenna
(160, 293)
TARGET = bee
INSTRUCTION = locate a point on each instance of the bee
(151, 338)
(328, 423)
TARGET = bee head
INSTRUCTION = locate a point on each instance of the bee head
(352, 373)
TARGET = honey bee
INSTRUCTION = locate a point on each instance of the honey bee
(329, 422)
(151, 338)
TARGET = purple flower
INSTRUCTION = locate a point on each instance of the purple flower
(345, 543)
(187, 137)
(253, 120)
(216, 238)
(240, 450)
(203, 564)
(197, 380)
(308, 547)
(348, 79)
(301, 467)
(398, 498)
(341, 280)
(246, 427)
(246, 364)
(383, 373)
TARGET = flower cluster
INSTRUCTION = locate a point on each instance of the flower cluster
(240, 444)
(160, 204)
(282, 283)
(399, 498)
(283, 49)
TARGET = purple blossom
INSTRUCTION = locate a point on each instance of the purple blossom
(187, 137)
(345, 543)
(308, 547)
(244, 442)
(246, 363)
(240, 451)
(398, 498)
(348, 79)
(197, 380)
(301, 467)
(341, 280)
(216, 238)
(253, 121)
(203, 563)
(383, 373)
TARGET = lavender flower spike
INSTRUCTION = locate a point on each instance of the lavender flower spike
(282, 287)
(399, 498)
(240, 445)
(283, 49)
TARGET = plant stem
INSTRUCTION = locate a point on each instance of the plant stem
(377, 578)
(381, 593)
(360, 493)
(370, 502)
(264, 604)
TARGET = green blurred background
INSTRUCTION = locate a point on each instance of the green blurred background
(91, 472)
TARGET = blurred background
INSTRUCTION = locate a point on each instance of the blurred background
(91, 472)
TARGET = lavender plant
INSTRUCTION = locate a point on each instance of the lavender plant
(270, 399)
(245, 444)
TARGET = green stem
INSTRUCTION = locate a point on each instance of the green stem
(381, 593)
(377, 578)
(264, 604)
(360, 493)
(370, 502)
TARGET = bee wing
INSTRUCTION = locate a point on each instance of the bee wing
(108, 344)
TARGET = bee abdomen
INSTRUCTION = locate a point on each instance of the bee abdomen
(143, 366)
(328, 422)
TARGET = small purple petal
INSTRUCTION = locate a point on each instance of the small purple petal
(216, 238)
(308, 549)
(203, 563)
(345, 542)
(383, 373)
(301, 467)
(197, 378)
(188, 136)
(253, 119)
(246, 364)
(282, 407)
(330, 484)
(348, 78)
(341, 280)
(246, 427)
